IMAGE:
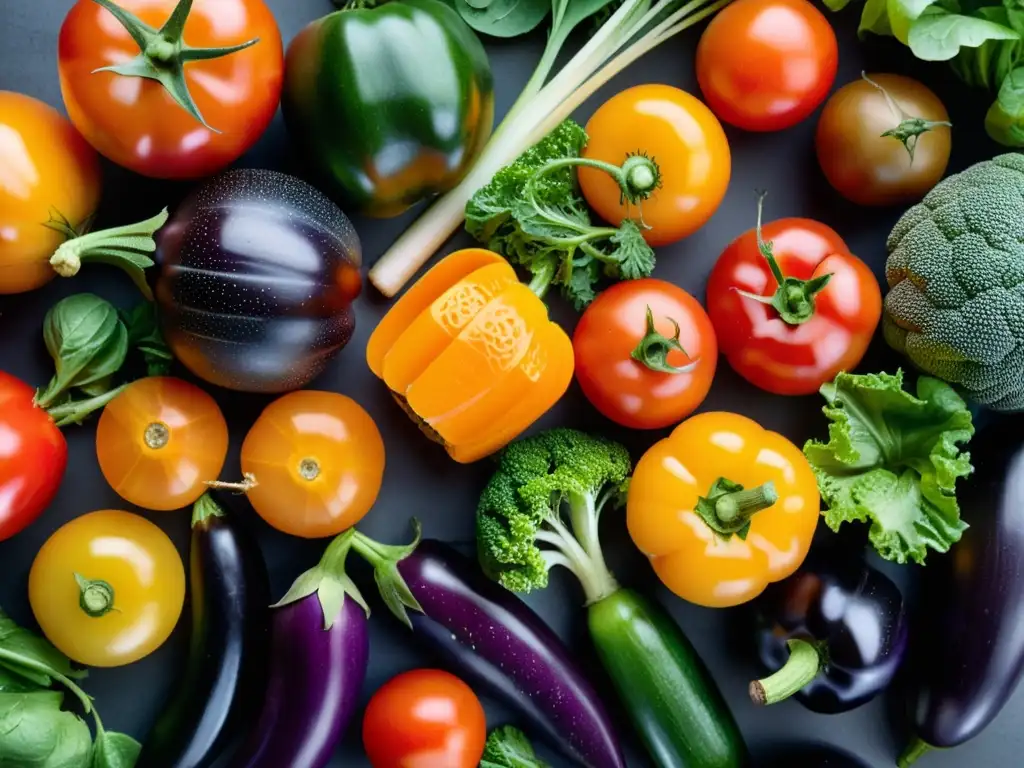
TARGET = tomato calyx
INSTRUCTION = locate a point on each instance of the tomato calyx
(909, 128)
(793, 298)
(728, 507)
(125, 247)
(96, 597)
(653, 349)
(637, 177)
(163, 53)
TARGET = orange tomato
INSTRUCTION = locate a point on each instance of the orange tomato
(723, 508)
(686, 141)
(159, 441)
(133, 120)
(47, 171)
(471, 355)
(318, 462)
(107, 588)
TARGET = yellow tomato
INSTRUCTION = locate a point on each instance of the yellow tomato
(107, 588)
(159, 441)
(47, 172)
(317, 459)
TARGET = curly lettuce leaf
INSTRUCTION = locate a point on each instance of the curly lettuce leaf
(892, 460)
(508, 747)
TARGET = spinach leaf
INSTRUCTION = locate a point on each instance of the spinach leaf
(875, 18)
(12, 682)
(115, 750)
(1005, 119)
(939, 36)
(31, 656)
(144, 335)
(36, 733)
(503, 18)
(88, 344)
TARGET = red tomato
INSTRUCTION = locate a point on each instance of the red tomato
(820, 333)
(424, 719)
(635, 374)
(135, 122)
(765, 65)
(33, 455)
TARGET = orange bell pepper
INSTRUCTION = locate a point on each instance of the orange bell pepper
(723, 508)
(470, 354)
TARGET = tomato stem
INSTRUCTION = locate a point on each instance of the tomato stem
(637, 177)
(653, 349)
(126, 247)
(247, 484)
(96, 597)
(800, 669)
(909, 128)
(728, 507)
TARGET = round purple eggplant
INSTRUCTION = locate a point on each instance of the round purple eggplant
(319, 652)
(496, 643)
(257, 274)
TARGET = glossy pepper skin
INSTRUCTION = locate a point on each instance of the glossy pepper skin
(392, 104)
(471, 355)
(854, 619)
(753, 485)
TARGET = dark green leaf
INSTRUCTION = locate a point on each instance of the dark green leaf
(875, 18)
(12, 682)
(577, 11)
(145, 336)
(31, 656)
(940, 36)
(503, 18)
(1005, 119)
(508, 747)
(115, 750)
(36, 733)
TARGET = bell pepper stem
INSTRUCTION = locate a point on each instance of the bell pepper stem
(653, 349)
(914, 750)
(728, 507)
(800, 669)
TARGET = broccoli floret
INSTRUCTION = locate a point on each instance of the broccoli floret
(542, 508)
(956, 276)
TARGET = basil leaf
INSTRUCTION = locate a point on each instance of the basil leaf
(36, 733)
(31, 656)
(940, 36)
(145, 336)
(115, 750)
(503, 18)
(1005, 119)
(88, 344)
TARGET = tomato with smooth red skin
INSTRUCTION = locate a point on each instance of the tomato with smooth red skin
(425, 718)
(317, 459)
(830, 307)
(48, 172)
(645, 353)
(765, 65)
(159, 441)
(33, 456)
(107, 588)
(686, 142)
(135, 122)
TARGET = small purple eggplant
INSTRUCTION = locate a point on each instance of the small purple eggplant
(833, 635)
(495, 642)
(319, 654)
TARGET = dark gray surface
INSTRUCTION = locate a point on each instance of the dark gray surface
(419, 479)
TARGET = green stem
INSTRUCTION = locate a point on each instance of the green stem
(75, 411)
(800, 669)
(653, 349)
(637, 177)
(205, 509)
(542, 278)
(728, 507)
(126, 247)
(17, 661)
(908, 129)
(384, 560)
(96, 597)
(917, 748)
(328, 581)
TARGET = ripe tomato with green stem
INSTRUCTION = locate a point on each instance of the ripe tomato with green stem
(424, 718)
(645, 353)
(765, 65)
(791, 306)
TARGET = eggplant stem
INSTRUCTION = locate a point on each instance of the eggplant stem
(801, 668)
(914, 750)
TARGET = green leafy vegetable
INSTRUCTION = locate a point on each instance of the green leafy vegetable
(508, 747)
(32, 657)
(144, 335)
(893, 459)
(115, 750)
(36, 733)
(503, 18)
(940, 36)
(533, 213)
(1005, 119)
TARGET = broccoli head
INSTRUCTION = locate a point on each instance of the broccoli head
(956, 277)
(542, 508)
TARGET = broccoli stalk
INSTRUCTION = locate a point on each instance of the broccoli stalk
(543, 507)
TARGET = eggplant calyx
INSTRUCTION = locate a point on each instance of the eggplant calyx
(96, 597)
(653, 349)
(126, 247)
(205, 509)
(914, 750)
(163, 53)
(728, 507)
(384, 559)
(805, 661)
(328, 580)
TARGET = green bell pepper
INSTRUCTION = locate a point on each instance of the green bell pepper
(389, 104)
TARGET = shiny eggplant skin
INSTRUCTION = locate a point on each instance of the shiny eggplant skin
(228, 654)
(855, 615)
(315, 679)
(968, 646)
(494, 641)
(257, 272)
